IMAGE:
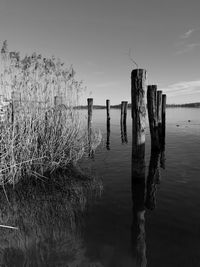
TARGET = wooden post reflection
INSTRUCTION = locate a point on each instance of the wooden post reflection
(138, 198)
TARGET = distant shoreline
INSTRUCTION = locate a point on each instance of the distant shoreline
(189, 105)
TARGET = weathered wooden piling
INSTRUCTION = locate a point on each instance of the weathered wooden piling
(153, 179)
(122, 112)
(138, 87)
(164, 99)
(124, 138)
(108, 135)
(153, 117)
(125, 110)
(108, 109)
(90, 109)
(159, 114)
(162, 157)
(159, 106)
(124, 106)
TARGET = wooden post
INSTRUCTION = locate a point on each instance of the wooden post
(153, 118)
(122, 112)
(108, 134)
(138, 87)
(159, 114)
(163, 114)
(124, 106)
(153, 179)
(124, 138)
(108, 109)
(125, 110)
(90, 109)
(159, 107)
(121, 121)
(162, 158)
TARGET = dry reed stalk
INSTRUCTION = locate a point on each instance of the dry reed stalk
(41, 137)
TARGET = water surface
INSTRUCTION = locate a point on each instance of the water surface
(173, 227)
(123, 227)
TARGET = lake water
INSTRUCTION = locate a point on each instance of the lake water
(119, 229)
(172, 228)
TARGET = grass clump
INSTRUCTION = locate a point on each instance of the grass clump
(41, 130)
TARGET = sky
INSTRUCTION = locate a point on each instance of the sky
(98, 37)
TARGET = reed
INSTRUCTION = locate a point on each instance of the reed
(38, 137)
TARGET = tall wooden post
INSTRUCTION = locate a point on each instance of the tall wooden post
(108, 109)
(153, 118)
(138, 87)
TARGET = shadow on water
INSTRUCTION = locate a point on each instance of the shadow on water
(143, 197)
(48, 216)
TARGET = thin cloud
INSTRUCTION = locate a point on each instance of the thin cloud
(188, 47)
(183, 88)
(187, 34)
(185, 44)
